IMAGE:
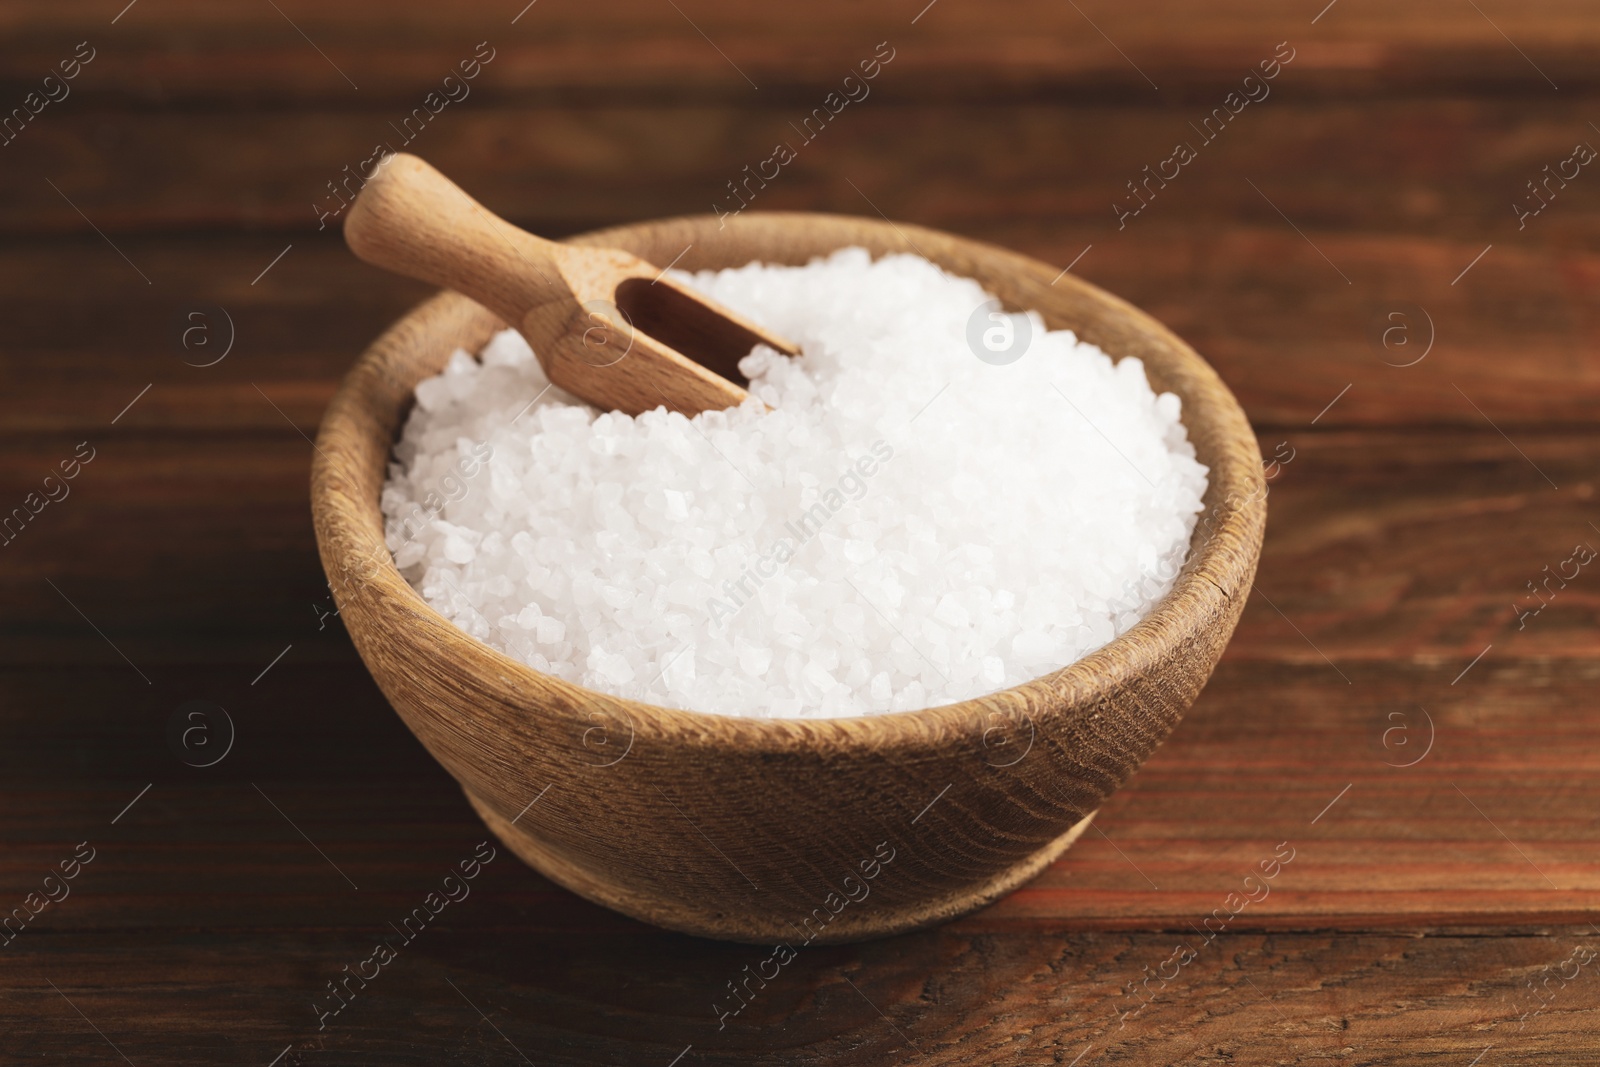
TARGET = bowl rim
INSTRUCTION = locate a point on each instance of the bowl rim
(1216, 569)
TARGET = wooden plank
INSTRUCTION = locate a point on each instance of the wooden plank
(192, 52)
(1463, 525)
(1436, 166)
(1401, 802)
(948, 996)
(1380, 547)
(1258, 302)
(1364, 565)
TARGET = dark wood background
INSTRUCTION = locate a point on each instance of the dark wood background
(1425, 903)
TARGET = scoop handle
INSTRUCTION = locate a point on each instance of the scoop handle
(412, 220)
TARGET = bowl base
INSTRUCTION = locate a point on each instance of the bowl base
(765, 929)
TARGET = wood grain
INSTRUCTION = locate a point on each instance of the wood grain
(607, 326)
(1286, 341)
(1410, 924)
(1404, 848)
(188, 52)
(1436, 166)
(947, 996)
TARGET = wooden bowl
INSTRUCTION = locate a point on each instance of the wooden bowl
(774, 831)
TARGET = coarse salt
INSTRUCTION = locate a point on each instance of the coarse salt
(908, 525)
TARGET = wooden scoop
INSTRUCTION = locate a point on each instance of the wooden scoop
(607, 327)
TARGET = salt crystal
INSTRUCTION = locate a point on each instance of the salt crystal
(907, 525)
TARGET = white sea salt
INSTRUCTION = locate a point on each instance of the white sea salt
(908, 526)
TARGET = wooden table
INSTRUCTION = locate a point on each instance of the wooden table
(1427, 756)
